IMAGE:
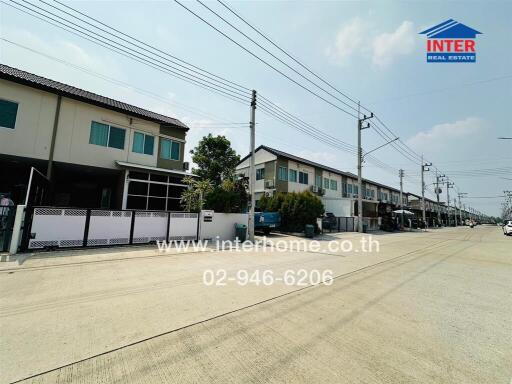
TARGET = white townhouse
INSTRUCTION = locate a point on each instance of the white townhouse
(278, 171)
(96, 151)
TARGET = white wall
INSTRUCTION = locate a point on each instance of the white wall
(338, 206)
(259, 185)
(260, 157)
(34, 124)
(329, 192)
(72, 144)
(297, 187)
(32, 133)
(222, 225)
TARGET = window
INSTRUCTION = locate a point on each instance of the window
(356, 190)
(326, 183)
(8, 112)
(260, 173)
(293, 175)
(143, 143)
(169, 149)
(318, 181)
(334, 185)
(106, 135)
(303, 178)
(349, 188)
(283, 174)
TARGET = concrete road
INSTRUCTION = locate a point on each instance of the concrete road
(430, 307)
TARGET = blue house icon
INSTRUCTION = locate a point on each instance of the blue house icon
(450, 29)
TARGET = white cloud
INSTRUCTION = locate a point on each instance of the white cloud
(59, 48)
(445, 135)
(357, 38)
(387, 46)
(349, 39)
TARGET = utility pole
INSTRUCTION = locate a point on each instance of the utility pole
(401, 174)
(360, 166)
(448, 186)
(455, 210)
(424, 167)
(460, 206)
(438, 191)
(252, 171)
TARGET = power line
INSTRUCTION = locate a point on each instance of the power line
(285, 52)
(275, 57)
(263, 61)
(147, 45)
(136, 89)
(145, 59)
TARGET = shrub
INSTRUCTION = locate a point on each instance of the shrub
(296, 209)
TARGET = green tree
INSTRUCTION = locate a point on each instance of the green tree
(230, 197)
(193, 198)
(215, 159)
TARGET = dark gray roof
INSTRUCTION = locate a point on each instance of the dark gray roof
(31, 80)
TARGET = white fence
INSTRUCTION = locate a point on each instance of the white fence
(149, 226)
(70, 227)
(55, 227)
(109, 227)
(183, 226)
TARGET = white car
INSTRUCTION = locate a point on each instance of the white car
(507, 227)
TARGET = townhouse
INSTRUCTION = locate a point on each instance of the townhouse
(97, 152)
(278, 171)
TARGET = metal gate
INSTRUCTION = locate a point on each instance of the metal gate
(7, 215)
(346, 224)
(52, 227)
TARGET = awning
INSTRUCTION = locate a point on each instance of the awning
(404, 211)
(124, 164)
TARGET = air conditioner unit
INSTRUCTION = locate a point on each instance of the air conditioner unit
(269, 183)
(269, 193)
(186, 166)
(314, 189)
(354, 195)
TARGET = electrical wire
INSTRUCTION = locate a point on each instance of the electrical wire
(127, 53)
(263, 61)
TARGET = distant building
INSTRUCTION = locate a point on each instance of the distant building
(105, 153)
(278, 171)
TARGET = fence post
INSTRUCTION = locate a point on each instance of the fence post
(132, 227)
(168, 227)
(27, 226)
(86, 227)
(20, 211)
(198, 225)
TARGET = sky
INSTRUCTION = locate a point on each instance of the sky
(371, 51)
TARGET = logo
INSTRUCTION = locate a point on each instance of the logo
(451, 42)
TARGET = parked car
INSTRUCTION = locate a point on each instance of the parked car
(329, 221)
(507, 227)
(266, 221)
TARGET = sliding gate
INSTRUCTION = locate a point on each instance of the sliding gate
(71, 227)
